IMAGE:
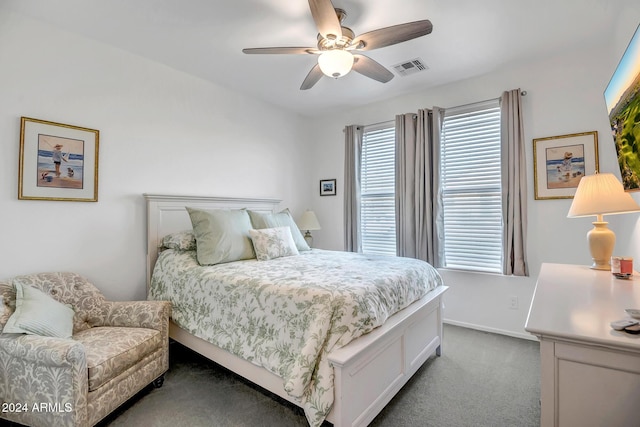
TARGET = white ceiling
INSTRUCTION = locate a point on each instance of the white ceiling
(205, 38)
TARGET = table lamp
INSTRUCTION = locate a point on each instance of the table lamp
(308, 221)
(598, 195)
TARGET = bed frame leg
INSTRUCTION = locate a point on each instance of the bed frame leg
(439, 351)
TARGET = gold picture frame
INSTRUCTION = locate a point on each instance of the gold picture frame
(57, 162)
(559, 162)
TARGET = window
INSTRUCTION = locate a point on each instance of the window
(471, 188)
(377, 190)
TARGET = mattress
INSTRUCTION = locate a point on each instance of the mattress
(287, 314)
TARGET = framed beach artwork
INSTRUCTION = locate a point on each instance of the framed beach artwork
(559, 162)
(327, 187)
(57, 162)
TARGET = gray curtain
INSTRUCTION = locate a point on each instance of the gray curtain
(514, 185)
(418, 203)
(352, 159)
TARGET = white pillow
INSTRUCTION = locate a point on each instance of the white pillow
(270, 243)
(38, 314)
(270, 220)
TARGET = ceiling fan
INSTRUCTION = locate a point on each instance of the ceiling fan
(338, 47)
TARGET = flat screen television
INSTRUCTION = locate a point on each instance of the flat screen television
(623, 105)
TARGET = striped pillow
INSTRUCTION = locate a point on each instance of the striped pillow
(37, 313)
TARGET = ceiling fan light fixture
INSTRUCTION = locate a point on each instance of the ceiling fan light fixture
(335, 63)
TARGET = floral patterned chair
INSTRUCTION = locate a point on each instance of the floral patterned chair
(117, 348)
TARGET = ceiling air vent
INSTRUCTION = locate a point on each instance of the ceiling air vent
(410, 67)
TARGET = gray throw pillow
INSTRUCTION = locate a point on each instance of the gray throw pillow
(222, 235)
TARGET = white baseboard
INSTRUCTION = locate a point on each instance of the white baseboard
(523, 336)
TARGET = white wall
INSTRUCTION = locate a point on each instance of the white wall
(161, 131)
(565, 95)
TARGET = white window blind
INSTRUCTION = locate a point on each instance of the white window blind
(377, 190)
(471, 188)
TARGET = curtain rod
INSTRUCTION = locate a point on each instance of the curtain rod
(472, 104)
(522, 92)
(373, 124)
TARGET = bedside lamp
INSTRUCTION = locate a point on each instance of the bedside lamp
(308, 221)
(598, 195)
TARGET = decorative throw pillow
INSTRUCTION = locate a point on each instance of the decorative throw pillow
(37, 313)
(222, 235)
(182, 241)
(280, 219)
(270, 243)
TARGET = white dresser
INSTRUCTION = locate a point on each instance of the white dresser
(590, 374)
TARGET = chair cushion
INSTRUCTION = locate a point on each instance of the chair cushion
(112, 350)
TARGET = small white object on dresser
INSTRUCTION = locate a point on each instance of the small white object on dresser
(590, 373)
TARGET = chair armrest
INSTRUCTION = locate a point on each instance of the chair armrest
(45, 351)
(45, 371)
(140, 314)
(137, 314)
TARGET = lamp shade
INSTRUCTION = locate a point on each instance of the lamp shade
(335, 63)
(308, 221)
(601, 194)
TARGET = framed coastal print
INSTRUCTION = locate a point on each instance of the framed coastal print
(559, 162)
(57, 162)
(327, 187)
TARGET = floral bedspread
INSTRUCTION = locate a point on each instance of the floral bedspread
(287, 314)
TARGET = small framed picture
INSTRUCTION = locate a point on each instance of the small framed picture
(327, 187)
(57, 162)
(559, 162)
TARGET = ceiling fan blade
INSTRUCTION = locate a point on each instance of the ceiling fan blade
(370, 68)
(312, 78)
(326, 18)
(391, 35)
(282, 50)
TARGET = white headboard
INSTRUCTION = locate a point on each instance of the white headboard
(167, 214)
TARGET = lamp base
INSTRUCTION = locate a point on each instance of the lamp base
(308, 238)
(601, 242)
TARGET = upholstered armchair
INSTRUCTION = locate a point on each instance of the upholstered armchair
(116, 349)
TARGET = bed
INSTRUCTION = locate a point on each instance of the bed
(365, 362)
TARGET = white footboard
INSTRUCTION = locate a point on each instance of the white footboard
(373, 368)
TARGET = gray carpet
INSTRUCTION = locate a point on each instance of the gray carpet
(481, 379)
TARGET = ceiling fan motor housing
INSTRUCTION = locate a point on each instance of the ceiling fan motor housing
(327, 43)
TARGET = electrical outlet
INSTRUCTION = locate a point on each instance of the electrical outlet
(513, 302)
